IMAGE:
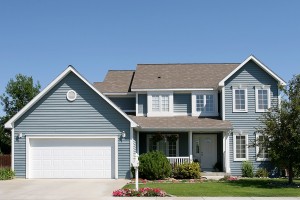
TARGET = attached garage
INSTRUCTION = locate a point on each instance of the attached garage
(71, 157)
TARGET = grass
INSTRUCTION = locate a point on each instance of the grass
(239, 188)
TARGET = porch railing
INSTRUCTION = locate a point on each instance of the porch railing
(179, 160)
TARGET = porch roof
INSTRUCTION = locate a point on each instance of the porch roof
(187, 123)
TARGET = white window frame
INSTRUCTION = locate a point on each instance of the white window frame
(264, 87)
(160, 112)
(240, 133)
(233, 99)
(167, 144)
(203, 113)
(257, 150)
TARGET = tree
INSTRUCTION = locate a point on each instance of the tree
(18, 93)
(281, 127)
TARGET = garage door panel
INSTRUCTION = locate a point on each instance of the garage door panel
(71, 158)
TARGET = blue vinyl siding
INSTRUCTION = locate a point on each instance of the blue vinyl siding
(142, 104)
(89, 113)
(182, 103)
(125, 103)
(249, 76)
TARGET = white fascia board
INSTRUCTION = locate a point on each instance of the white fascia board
(171, 89)
(261, 65)
(8, 125)
(210, 130)
(131, 94)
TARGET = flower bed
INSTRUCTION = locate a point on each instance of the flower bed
(142, 192)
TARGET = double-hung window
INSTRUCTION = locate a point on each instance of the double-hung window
(261, 149)
(239, 100)
(263, 99)
(159, 102)
(240, 147)
(205, 104)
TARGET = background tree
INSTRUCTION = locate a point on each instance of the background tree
(281, 127)
(18, 93)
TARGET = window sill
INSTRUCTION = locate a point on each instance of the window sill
(240, 159)
(240, 111)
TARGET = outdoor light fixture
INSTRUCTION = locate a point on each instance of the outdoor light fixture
(20, 135)
(123, 134)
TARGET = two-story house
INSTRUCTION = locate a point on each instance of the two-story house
(191, 112)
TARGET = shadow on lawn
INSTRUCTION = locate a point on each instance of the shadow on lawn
(265, 183)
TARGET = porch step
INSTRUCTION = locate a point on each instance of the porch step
(213, 175)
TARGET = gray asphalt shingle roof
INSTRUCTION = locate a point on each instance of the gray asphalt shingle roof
(170, 76)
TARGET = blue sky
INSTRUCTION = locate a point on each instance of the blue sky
(41, 38)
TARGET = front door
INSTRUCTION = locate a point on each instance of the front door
(205, 150)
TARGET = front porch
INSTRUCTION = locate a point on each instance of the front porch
(210, 149)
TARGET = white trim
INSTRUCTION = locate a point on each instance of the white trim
(224, 151)
(194, 107)
(227, 161)
(234, 146)
(51, 85)
(233, 99)
(138, 142)
(58, 136)
(264, 87)
(279, 98)
(223, 103)
(12, 149)
(170, 89)
(190, 137)
(160, 112)
(131, 145)
(128, 94)
(257, 149)
(206, 130)
(262, 66)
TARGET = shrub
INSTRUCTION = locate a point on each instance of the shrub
(262, 172)
(142, 192)
(154, 165)
(187, 170)
(6, 174)
(247, 169)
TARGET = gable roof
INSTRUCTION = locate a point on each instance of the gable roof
(116, 81)
(69, 69)
(180, 76)
(260, 64)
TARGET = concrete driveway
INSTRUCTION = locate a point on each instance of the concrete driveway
(57, 189)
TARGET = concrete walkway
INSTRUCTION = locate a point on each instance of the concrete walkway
(87, 189)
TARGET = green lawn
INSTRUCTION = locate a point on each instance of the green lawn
(240, 188)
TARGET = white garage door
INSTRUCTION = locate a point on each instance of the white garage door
(71, 158)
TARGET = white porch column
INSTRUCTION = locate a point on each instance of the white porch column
(138, 142)
(190, 137)
(226, 160)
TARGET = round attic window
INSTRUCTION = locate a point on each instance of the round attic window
(71, 95)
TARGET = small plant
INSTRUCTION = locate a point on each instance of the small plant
(229, 178)
(262, 172)
(6, 174)
(247, 169)
(187, 171)
(154, 165)
(142, 192)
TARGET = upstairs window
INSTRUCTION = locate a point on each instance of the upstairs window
(160, 103)
(240, 100)
(263, 99)
(204, 104)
